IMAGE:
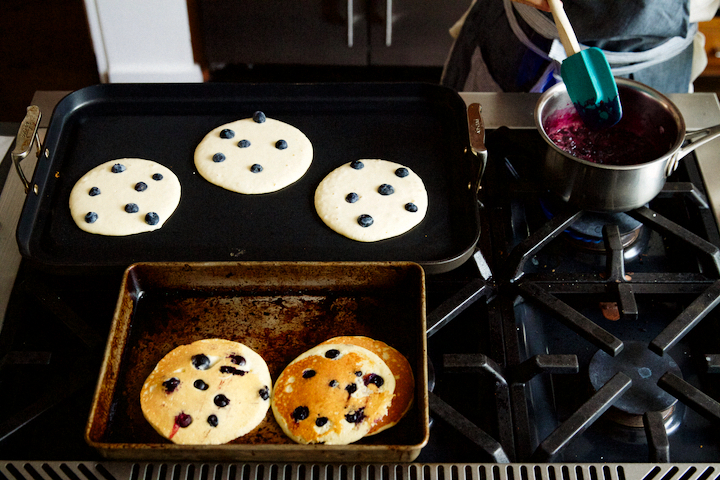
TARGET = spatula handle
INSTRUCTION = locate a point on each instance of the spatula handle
(565, 30)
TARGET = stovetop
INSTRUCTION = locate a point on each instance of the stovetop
(562, 348)
(622, 300)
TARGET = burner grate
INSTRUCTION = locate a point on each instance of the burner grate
(557, 297)
(623, 286)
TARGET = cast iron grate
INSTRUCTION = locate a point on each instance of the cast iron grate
(511, 377)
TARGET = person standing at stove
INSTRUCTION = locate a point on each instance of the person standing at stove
(513, 46)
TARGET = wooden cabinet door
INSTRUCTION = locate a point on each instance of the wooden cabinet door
(711, 30)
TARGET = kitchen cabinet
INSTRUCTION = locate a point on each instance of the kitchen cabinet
(328, 32)
(417, 32)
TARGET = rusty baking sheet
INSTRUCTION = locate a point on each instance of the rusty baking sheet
(279, 309)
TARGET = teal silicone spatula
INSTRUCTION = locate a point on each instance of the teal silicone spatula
(587, 76)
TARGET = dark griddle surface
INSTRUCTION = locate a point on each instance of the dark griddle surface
(421, 126)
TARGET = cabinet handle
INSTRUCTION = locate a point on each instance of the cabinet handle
(350, 23)
(388, 23)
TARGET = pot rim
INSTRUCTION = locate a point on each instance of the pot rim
(560, 87)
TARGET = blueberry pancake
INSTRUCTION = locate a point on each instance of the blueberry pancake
(254, 155)
(371, 200)
(404, 379)
(124, 197)
(332, 394)
(207, 393)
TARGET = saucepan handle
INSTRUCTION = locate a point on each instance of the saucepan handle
(27, 134)
(476, 132)
(693, 140)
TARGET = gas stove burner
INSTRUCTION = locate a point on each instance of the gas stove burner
(644, 368)
(589, 229)
(587, 232)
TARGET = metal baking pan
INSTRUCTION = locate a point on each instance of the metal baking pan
(280, 310)
(422, 126)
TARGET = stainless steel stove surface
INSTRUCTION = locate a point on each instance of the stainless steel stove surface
(572, 345)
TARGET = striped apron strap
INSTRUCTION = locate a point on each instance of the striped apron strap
(621, 63)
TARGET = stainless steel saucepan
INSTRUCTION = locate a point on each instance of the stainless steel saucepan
(619, 188)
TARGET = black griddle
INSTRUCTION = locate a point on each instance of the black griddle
(422, 126)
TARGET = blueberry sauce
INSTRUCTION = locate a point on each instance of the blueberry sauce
(621, 144)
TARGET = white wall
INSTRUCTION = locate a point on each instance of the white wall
(142, 41)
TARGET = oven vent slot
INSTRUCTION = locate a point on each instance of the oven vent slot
(38, 470)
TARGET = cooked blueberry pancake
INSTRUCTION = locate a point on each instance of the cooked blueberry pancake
(332, 394)
(207, 393)
(401, 370)
(254, 155)
(371, 200)
(124, 197)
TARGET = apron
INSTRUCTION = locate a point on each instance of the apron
(511, 47)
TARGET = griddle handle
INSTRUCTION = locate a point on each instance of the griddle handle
(476, 132)
(27, 134)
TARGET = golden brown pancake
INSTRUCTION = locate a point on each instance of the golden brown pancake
(332, 394)
(399, 366)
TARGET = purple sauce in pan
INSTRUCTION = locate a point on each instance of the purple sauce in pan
(616, 145)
